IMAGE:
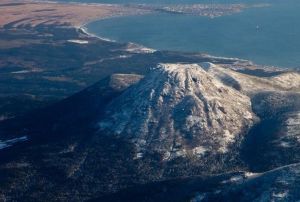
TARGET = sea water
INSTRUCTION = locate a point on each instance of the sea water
(269, 35)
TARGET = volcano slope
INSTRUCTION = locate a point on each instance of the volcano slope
(179, 120)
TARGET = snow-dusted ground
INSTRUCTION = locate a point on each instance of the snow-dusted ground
(183, 110)
(179, 110)
(293, 125)
(249, 84)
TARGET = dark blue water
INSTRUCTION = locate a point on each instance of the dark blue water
(276, 42)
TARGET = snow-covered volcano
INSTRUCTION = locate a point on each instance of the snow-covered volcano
(179, 110)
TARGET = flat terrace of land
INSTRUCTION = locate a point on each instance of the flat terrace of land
(21, 13)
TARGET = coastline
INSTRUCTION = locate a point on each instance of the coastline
(133, 47)
(83, 29)
(86, 16)
(269, 67)
(139, 48)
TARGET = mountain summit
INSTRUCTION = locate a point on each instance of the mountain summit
(179, 110)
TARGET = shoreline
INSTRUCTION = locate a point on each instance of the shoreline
(138, 48)
(84, 29)
(144, 49)
(92, 12)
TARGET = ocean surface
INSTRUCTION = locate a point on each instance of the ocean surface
(269, 36)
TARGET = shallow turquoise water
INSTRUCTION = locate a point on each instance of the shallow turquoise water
(276, 42)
